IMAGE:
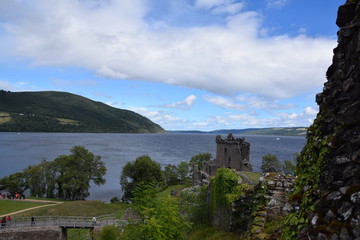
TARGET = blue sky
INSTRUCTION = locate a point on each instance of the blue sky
(184, 64)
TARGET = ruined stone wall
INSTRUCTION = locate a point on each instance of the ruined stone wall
(233, 153)
(33, 233)
(265, 202)
(336, 196)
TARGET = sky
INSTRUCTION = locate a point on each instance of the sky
(184, 64)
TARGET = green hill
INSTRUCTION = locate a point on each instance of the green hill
(279, 131)
(51, 111)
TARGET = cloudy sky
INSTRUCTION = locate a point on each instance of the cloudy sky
(185, 64)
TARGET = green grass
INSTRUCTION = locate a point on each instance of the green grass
(253, 177)
(80, 208)
(167, 191)
(78, 234)
(48, 199)
(9, 206)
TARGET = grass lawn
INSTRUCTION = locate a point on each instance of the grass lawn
(9, 206)
(80, 208)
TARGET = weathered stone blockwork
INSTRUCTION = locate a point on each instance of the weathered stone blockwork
(233, 153)
(33, 233)
(337, 209)
(265, 202)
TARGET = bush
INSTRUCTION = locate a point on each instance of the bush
(270, 163)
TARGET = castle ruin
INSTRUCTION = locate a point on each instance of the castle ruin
(231, 153)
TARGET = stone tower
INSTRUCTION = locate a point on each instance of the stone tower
(233, 153)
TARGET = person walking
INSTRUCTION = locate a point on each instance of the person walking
(32, 220)
(94, 220)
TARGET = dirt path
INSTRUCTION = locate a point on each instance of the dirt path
(27, 209)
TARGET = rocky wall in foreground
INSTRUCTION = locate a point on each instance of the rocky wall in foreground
(33, 233)
(328, 186)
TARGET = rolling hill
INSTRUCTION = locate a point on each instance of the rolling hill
(278, 131)
(51, 111)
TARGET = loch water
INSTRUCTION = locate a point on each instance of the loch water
(19, 150)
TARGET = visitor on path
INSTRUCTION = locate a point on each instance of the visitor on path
(94, 220)
(3, 222)
(32, 220)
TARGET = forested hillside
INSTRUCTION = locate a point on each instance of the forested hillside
(51, 111)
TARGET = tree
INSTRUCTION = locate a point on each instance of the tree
(288, 167)
(197, 161)
(142, 170)
(15, 182)
(75, 171)
(66, 177)
(35, 178)
(270, 163)
(171, 176)
(183, 169)
(176, 174)
(160, 215)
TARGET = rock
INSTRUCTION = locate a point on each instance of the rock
(330, 215)
(341, 160)
(355, 224)
(321, 236)
(314, 219)
(334, 237)
(344, 234)
(334, 196)
(287, 208)
(355, 197)
(343, 189)
(346, 210)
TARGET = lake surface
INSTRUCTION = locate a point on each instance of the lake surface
(17, 151)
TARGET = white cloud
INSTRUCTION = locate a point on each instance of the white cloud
(6, 86)
(298, 119)
(112, 39)
(277, 3)
(247, 102)
(165, 120)
(224, 102)
(310, 111)
(230, 9)
(211, 3)
(107, 72)
(220, 6)
(183, 105)
(247, 120)
(155, 116)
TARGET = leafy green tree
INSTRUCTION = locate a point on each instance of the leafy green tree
(108, 232)
(176, 174)
(171, 176)
(183, 169)
(15, 182)
(288, 167)
(142, 170)
(75, 171)
(270, 163)
(66, 177)
(35, 177)
(197, 161)
(161, 218)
